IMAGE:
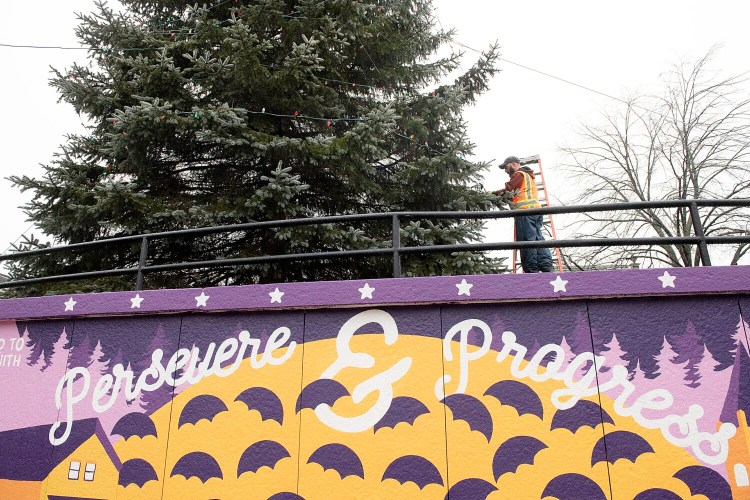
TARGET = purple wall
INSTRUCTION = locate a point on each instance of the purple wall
(628, 383)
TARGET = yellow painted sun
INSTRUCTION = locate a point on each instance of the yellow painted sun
(258, 445)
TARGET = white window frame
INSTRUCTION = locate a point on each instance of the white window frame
(88, 473)
(74, 470)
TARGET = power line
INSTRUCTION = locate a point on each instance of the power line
(14, 46)
(630, 104)
(13, 243)
(549, 75)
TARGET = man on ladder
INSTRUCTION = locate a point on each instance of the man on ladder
(522, 188)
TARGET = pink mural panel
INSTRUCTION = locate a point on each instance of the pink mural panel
(33, 357)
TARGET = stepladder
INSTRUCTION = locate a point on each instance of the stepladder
(548, 225)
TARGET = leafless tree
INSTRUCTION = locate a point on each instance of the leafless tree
(691, 142)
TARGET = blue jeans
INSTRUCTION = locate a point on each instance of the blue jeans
(533, 260)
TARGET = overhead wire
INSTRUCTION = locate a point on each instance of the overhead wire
(13, 243)
(558, 78)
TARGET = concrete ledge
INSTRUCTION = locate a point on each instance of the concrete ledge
(401, 291)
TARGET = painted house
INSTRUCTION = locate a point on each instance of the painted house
(85, 466)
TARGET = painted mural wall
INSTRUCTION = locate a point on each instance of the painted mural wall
(449, 396)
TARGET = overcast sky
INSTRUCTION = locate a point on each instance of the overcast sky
(612, 47)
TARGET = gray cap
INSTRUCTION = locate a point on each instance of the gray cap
(510, 159)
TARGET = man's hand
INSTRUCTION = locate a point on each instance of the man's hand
(507, 196)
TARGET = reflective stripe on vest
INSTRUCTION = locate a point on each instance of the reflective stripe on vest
(527, 195)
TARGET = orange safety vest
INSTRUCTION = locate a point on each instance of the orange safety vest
(527, 196)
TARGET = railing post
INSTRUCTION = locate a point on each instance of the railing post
(698, 229)
(396, 247)
(141, 264)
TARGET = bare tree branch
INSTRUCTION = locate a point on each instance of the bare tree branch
(693, 143)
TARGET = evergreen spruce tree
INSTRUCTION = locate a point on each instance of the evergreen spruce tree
(239, 111)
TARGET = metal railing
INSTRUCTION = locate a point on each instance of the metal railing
(396, 250)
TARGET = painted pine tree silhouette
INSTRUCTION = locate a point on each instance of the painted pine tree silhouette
(112, 361)
(613, 353)
(669, 370)
(567, 353)
(741, 333)
(57, 353)
(533, 349)
(711, 382)
(153, 400)
(645, 381)
(637, 376)
(97, 366)
(706, 368)
(43, 337)
(81, 352)
(35, 348)
(580, 338)
(689, 349)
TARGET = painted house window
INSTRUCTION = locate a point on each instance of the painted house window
(74, 470)
(88, 474)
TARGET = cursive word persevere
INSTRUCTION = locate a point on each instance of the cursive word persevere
(578, 376)
(109, 387)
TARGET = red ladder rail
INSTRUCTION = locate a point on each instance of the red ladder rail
(548, 223)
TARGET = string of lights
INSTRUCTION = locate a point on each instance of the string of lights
(296, 116)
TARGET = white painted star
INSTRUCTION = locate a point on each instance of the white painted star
(667, 280)
(558, 284)
(276, 296)
(136, 301)
(70, 304)
(464, 288)
(201, 299)
(366, 291)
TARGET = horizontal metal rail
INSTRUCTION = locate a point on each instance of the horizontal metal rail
(396, 250)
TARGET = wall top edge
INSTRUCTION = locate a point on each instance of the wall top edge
(389, 292)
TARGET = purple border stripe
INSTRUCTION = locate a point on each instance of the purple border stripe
(364, 293)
